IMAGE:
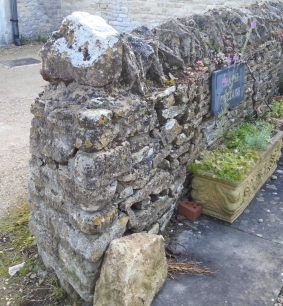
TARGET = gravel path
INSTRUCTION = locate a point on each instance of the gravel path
(19, 86)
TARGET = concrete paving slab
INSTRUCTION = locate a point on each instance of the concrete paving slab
(248, 255)
(249, 269)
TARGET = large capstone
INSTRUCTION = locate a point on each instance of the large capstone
(85, 49)
(133, 271)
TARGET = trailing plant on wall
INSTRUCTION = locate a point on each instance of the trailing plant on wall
(276, 109)
(235, 59)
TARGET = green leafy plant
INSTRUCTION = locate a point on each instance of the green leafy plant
(239, 153)
(251, 136)
(276, 109)
(226, 164)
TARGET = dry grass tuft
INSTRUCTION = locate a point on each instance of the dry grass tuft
(186, 267)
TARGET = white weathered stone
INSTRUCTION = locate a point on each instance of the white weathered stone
(13, 270)
(138, 156)
(85, 49)
(171, 130)
(92, 117)
(133, 271)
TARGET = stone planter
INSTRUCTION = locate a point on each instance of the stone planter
(226, 200)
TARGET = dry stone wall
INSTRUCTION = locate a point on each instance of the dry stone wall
(121, 119)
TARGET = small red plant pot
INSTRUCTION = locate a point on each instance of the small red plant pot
(190, 210)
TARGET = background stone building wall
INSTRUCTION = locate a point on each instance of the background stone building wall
(38, 17)
(41, 18)
(5, 24)
(125, 15)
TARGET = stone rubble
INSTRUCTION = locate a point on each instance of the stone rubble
(113, 133)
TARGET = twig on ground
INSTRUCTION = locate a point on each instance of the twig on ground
(186, 267)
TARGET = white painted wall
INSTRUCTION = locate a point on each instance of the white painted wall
(6, 33)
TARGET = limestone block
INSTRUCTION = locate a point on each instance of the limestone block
(163, 95)
(91, 247)
(181, 138)
(96, 129)
(154, 229)
(124, 190)
(163, 221)
(137, 122)
(93, 223)
(85, 271)
(158, 182)
(44, 237)
(178, 177)
(90, 118)
(165, 102)
(143, 51)
(171, 112)
(164, 165)
(171, 130)
(140, 155)
(85, 49)
(140, 220)
(91, 200)
(138, 142)
(93, 170)
(52, 138)
(131, 74)
(159, 157)
(182, 94)
(179, 150)
(91, 140)
(138, 196)
(133, 271)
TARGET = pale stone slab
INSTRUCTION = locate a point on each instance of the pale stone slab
(133, 271)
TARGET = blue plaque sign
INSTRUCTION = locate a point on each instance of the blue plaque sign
(227, 86)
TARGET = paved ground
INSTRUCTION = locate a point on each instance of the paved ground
(19, 86)
(248, 255)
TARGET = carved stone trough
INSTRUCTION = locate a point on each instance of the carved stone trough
(226, 200)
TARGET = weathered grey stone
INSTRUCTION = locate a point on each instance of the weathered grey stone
(154, 230)
(93, 223)
(143, 51)
(171, 112)
(90, 200)
(140, 155)
(163, 95)
(171, 130)
(159, 157)
(85, 49)
(140, 220)
(92, 170)
(58, 143)
(91, 247)
(133, 271)
(165, 102)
